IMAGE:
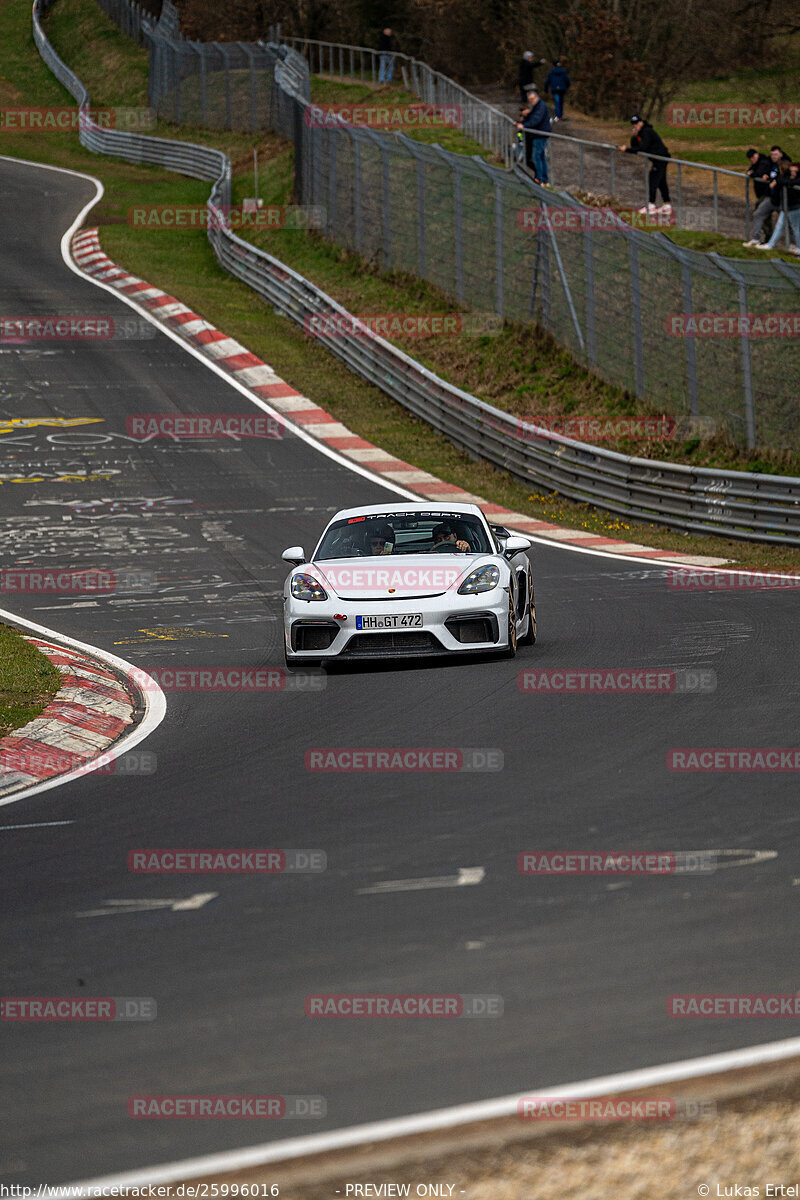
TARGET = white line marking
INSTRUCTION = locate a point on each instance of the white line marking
(298, 430)
(442, 1118)
(146, 687)
(448, 1118)
(118, 907)
(37, 825)
(465, 877)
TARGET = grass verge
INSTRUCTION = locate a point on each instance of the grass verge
(181, 262)
(28, 680)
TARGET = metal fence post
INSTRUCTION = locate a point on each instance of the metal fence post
(458, 232)
(744, 345)
(298, 123)
(253, 105)
(386, 207)
(499, 256)
(422, 257)
(636, 316)
(179, 87)
(228, 105)
(547, 318)
(203, 96)
(356, 191)
(646, 162)
(689, 343)
(591, 324)
(333, 138)
(748, 218)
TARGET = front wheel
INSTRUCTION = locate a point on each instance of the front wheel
(511, 649)
(529, 636)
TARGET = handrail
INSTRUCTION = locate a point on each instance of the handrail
(702, 500)
(415, 69)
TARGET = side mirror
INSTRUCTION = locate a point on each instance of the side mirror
(515, 544)
(295, 555)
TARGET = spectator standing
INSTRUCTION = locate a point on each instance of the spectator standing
(535, 125)
(525, 78)
(770, 203)
(759, 172)
(786, 189)
(557, 83)
(645, 140)
(386, 66)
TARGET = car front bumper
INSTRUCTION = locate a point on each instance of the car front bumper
(327, 629)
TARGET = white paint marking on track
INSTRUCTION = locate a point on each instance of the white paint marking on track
(115, 908)
(299, 431)
(442, 1118)
(36, 825)
(466, 877)
(446, 1118)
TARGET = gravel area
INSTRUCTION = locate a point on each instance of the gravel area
(752, 1141)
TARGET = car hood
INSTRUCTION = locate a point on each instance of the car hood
(396, 576)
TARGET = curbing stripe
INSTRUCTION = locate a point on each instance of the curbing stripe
(75, 725)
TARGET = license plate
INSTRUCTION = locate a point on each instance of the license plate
(395, 621)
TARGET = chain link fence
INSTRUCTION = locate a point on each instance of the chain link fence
(706, 198)
(713, 342)
(133, 19)
(740, 504)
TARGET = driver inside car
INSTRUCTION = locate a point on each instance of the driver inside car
(378, 539)
(444, 538)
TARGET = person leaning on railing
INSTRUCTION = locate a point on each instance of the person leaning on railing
(759, 171)
(786, 189)
(645, 140)
(535, 124)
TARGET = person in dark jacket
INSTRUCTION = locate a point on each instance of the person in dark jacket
(386, 67)
(759, 172)
(786, 191)
(645, 140)
(557, 82)
(535, 125)
(525, 77)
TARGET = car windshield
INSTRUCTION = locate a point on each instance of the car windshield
(405, 533)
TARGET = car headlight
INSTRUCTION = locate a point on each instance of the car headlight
(306, 587)
(481, 580)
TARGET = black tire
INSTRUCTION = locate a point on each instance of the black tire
(529, 636)
(511, 649)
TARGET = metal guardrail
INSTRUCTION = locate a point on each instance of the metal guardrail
(698, 500)
(496, 131)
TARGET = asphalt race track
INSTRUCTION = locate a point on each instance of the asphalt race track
(584, 965)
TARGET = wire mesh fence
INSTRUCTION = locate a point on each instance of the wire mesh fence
(712, 342)
(133, 19)
(631, 305)
(705, 198)
(695, 499)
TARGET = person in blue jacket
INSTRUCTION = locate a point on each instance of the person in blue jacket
(535, 125)
(557, 82)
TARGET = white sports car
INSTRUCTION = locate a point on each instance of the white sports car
(406, 580)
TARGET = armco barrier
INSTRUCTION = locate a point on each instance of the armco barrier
(694, 499)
